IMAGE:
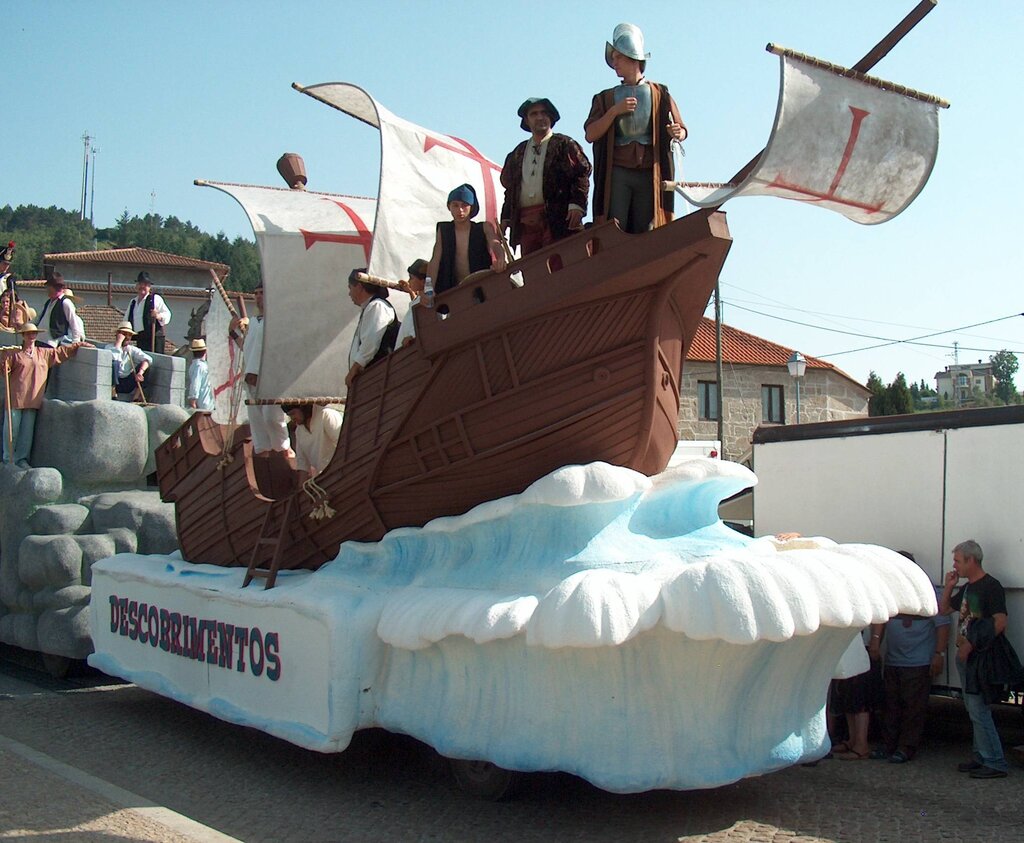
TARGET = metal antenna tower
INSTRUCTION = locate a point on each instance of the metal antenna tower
(86, 141)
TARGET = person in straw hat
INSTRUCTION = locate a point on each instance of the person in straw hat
(200, 394)
(632, 127)
(25, 372)
(130, 365)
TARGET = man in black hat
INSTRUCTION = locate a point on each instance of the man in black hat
(546, 181)
(148, 314)
(61, 323)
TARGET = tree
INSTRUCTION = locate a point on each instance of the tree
(898, 398)
(878, 402)
(1004, 367)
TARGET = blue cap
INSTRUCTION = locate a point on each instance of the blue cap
(465, 193)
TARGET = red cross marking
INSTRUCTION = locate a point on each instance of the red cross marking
(363, 237)
(830, 196)
(467, 150)
(231, 381)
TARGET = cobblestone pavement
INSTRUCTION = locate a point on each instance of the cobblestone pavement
(385, 787)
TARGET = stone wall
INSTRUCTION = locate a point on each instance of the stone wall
(824, 396)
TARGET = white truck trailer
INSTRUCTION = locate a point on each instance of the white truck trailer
(921, 483)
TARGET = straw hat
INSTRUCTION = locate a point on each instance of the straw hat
(126, 328)
(28, 328)
(197, 345)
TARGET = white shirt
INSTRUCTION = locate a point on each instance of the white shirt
(128, 359)
(163, 315)
(532, 190)
(373, 322)
(315, 447)
(408, 327)
(252, 350)
(76, 328)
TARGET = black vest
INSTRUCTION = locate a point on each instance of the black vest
(387, 342)
(59, 322)
(147, 321)
(479, 255)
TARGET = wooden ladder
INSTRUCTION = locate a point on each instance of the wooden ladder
(277, 541)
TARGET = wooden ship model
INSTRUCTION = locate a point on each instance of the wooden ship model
(574, 354)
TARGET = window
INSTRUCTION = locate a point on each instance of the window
(707, 400)
(773, 408)
(962, 380)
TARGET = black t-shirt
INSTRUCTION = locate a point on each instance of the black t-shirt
(984, 599)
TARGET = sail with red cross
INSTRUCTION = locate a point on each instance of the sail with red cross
(419, 167)
(843, 141)
(308, 244)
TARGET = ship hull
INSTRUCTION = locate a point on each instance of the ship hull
(581, 363)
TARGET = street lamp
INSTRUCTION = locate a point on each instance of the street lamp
(797, 366)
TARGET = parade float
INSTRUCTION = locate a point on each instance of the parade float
(502, 559)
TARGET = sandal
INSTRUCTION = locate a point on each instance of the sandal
(852, 755)
(842, 746)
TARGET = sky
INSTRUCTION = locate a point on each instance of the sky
(173, 92)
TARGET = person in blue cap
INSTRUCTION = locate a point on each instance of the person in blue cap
(546, 181)
(462, 246)
(632, 127)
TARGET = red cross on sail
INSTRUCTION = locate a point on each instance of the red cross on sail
(841, 141)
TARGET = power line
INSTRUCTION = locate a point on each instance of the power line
(885, 341)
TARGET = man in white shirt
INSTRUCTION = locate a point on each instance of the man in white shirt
(148, 315)
(317, 430)
(59, 322)
(268, 424)
(377, 329)
(130, 365)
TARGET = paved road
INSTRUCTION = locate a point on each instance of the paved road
(148, 752)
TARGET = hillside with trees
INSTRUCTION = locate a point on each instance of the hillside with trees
(38, 231)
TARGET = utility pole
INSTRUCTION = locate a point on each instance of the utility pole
(718, 372)
(92, 190)
(86, 141)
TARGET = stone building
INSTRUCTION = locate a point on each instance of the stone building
(758, 390)
(106, 279)
(960, 382)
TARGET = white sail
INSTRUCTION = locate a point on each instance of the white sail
(844, 142)
(222, 358)
(419, 168)
(308, 243)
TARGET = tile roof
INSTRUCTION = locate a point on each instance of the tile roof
(136, 256)
(166, 291)
(741, 348)
(100, 321)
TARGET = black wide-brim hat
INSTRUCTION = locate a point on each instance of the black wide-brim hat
(530, 103)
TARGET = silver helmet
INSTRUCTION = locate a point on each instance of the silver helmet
(628, 40)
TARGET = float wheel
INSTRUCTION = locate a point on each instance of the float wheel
(485, 780)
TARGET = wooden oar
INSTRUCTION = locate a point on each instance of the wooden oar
(10, 412)
(377, 281)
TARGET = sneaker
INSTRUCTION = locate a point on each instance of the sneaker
(899, 757)
(968, 766)
(987, 773)
(879, 755)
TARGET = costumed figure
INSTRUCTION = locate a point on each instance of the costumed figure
(317, 430)
(200, 393)
(268, 424)
(63, 324)
(14, 311)
(632, 127)
(148, 314)
(463, 247)
(377, 328)
(25, 372)
(546, 181)
(414, 287)
(129, 366)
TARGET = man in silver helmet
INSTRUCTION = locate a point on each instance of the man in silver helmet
(632, 127)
